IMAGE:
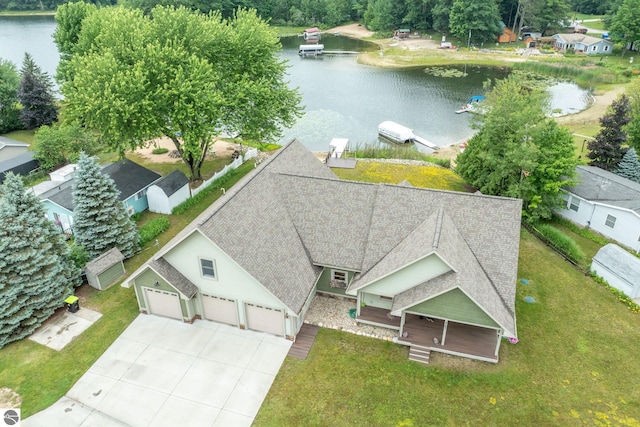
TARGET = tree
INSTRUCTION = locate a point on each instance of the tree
(441, 11)
(379, 15)
(36, 271)
(100, 220)
(606, 150)
(475, 20)
(625, 24)
(60, 144)
(519, 151)
(178, 74)
(633, 128)
(36, 96)
(629, 166)
(9, 83)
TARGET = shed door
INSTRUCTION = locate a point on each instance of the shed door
(163, 303)
(221, 310)
(265, 319)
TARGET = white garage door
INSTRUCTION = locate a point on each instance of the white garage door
(220, 309)
(265, 319)
(163, 303)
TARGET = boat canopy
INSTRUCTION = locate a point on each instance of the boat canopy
(476, 98)
(395, 131)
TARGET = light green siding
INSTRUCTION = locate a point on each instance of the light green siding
(375, 301)
(231, 280)
(110, 275)
(408, 277)
(148, 279)
(324, 282)
(454, 305)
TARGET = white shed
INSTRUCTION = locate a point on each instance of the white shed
(168, 192)
(105, 270)
(619, 268)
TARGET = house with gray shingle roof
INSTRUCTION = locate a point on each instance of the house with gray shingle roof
(132, 181)
(582, 43)
(437, 267)
(606, 203)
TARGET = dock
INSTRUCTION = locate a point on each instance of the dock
(422, 141)
(340, 52)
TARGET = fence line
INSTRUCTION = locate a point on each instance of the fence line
(233, 165)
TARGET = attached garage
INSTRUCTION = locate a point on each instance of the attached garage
(265, 319)
(220, 309)
(163, 303)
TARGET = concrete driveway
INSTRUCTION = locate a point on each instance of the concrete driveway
(161, 372)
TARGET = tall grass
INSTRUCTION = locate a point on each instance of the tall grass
(585, 77)
(396, 151)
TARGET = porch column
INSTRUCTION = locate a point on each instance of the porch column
(444, 331)
(402, 319)
(498, 343)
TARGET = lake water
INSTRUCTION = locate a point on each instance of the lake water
(341, 97)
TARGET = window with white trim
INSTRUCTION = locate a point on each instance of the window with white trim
(140, 194)
(338, 279)
(207, 268)
(611, 221)
(574, 204)
(606, 48)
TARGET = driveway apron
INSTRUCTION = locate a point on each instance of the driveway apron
(161, 372)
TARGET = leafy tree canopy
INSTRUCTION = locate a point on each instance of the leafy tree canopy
(9, 84)
(477, 20)
(519, 151)
(60, 144)
(178, 74)
(624, 26)
(633, 128)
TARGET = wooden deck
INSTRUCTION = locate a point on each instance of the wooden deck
(378, 316)
(304, 340)
(460, 338)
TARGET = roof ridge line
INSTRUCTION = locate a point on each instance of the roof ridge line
(438, 228)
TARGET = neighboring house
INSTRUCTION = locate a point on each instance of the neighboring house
(431, 265)
(168, 192)
(605, 202)
(10, 148)
(131, 179)
(22, 164)
(583, 43)
(619, 268)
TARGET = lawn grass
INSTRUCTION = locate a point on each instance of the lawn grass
(26, 136)
(575, 364)
(40, 375)
(419, 176)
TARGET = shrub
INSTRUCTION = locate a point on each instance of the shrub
(153, 229)
(214, 186)
(621, 296)
(79, 255)
(562, 243)
(581, 231)
(160, 150)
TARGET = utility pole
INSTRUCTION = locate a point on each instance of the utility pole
(469, 39)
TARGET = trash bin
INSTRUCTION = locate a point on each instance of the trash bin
(72, 304)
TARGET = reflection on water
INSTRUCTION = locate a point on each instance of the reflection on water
(341, 97)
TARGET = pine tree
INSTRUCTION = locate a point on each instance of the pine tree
(100, 220)
(36, 270)
(629, 166)
(606, 151)
(36, 96)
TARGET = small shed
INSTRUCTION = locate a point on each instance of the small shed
(105, 270)
(507, 36)
(619, 268)
(168, 192)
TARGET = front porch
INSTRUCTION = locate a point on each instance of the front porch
(379, 317)
(458, 339)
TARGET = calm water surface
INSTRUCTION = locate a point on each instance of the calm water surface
(341, 97)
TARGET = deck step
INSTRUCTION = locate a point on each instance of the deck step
(419, 354)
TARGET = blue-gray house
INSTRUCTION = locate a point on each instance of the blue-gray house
(582, 43)
(131, 179)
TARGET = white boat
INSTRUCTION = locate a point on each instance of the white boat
(310, 49)
(396, 132)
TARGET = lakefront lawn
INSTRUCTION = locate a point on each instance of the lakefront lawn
(575, 364)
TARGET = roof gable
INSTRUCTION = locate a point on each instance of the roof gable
(620, 262)
(170, 184)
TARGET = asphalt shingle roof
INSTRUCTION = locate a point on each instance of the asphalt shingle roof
(292, 216)
(619, 262)
(173, 182)
(104, 261)
(599, 185)
(173, 276)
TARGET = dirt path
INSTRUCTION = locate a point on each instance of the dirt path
(601, 101)
(220, 148)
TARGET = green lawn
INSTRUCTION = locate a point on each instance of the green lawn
(575, 364)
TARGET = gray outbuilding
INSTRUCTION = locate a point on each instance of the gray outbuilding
(619, 268)
(106, 269)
